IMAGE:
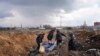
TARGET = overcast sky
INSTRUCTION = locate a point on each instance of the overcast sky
(38, 12)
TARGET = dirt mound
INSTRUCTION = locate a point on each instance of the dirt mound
(16, 43)
(81, 36)
(87, 40)
(94, 41)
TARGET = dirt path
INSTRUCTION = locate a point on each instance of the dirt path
(63, 50)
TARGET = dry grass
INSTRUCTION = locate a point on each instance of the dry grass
(16, 43)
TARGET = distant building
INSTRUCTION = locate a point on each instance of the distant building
(59, 28)
(96, 25)
(41, 27)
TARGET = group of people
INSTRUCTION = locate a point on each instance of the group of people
(58, 39)
(53, 34)
(50, 37)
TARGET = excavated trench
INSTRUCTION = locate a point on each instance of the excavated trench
(19, 43)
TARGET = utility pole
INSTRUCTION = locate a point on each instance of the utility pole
(21, 26)
(60, 21)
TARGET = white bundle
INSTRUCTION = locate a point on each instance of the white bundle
(42, 48)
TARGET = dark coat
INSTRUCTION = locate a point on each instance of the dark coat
(72, 45)
(39, 38)
(50, 35)
(59, 36)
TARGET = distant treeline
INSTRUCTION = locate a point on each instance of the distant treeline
(7, 28)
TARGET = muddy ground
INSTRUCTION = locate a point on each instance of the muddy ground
(86, 41)
(19, 43)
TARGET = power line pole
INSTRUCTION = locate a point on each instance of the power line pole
(61, 22)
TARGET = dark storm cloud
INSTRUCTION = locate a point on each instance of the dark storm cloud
(40, 2)
(5, 14)
(38, 10)
(5, 9)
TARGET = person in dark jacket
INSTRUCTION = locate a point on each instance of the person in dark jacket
(50, 35)
(39, 40)
(71, 44)
(59, 37)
